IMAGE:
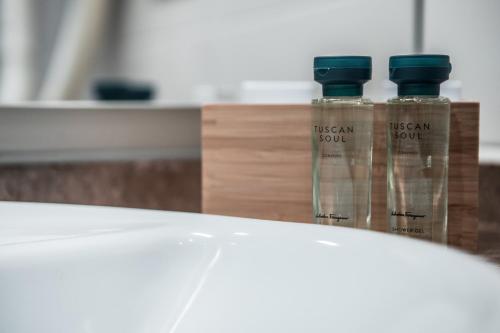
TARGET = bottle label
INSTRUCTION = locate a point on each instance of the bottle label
(334, 133)
(332, 216)
(409, 130)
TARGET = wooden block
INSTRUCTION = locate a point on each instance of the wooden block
(256, 162)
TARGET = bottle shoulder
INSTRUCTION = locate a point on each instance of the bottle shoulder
(419, 100)
(342, 101)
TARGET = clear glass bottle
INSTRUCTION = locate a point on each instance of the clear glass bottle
(418, 126)
(342, 127)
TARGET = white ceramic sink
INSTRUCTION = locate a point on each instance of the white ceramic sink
(93, 269)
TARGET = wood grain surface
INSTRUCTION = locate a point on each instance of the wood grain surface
(256, 162)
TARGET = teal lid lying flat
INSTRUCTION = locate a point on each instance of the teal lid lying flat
(342, 75)
(419, 74)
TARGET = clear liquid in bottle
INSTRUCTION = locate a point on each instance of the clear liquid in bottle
(342, 130)
(417, 166)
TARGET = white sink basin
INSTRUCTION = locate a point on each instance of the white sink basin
(92, 269)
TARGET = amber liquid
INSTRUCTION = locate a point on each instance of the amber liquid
(417, 167)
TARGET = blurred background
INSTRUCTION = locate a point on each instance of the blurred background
(100, 100)
(194, 51)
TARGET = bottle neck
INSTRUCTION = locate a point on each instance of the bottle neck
(343, 90)
(418, 89)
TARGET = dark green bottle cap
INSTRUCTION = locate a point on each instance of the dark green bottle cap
(342, 75)
(419, 74)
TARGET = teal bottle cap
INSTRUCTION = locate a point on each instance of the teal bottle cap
(342, 75)
(419, 74)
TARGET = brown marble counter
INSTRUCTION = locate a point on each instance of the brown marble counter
(162, 184)
(489, 212)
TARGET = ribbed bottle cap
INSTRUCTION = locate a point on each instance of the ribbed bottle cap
(342, 75)
(419, 74)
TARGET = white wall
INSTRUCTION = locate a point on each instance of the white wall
(470, 32)
(181, 44)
